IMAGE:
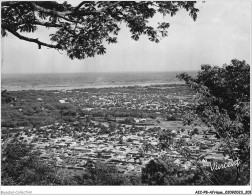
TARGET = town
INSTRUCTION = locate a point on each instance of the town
(119, 126)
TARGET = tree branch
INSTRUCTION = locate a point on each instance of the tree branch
(47, 24)
(112, 5)
(52, 12)
(84, 13)
(32, 40)
(74, 12)
(79, 6)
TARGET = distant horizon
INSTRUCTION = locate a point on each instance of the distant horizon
(115, 72)
(50, 81)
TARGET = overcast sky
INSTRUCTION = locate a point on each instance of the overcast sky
(221, 33)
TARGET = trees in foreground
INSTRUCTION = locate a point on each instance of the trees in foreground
(83, 30)
(22, 166)
(222, 104)
(98, 173)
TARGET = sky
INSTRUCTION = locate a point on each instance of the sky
(220, 34)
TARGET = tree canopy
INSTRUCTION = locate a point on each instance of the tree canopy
(223, 105)
(228, 86)
(83, 30)
(22, 166)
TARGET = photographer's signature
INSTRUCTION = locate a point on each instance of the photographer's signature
(217, 166)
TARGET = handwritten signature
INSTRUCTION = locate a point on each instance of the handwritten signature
(217, 166)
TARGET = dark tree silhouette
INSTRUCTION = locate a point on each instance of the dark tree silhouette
(81, 31)
(6, 97)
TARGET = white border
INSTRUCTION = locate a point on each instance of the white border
(119, 189)
(128, 189)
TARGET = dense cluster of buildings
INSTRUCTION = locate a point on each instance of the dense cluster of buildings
(128, 146)
(147, 99)
(129, 152)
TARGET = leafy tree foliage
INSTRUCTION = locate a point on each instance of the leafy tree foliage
(101, 174)
(129, 120)
(165, 172)
(165, 138)
(227, 87)
(82, 30)
(222, 104)
(21, 166)
(6, 97)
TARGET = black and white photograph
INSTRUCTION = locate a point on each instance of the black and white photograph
(125, 97)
